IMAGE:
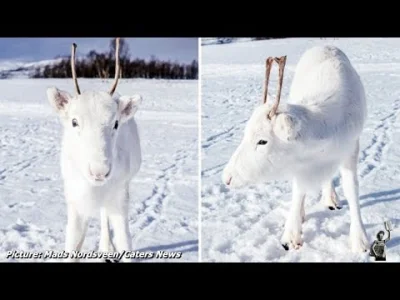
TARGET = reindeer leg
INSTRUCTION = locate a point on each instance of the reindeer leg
(119, 222)
(348, 170)
(303, 212)
(122, 237)
(329, 196)
(75, 231)
(104, 245)
(292, 233)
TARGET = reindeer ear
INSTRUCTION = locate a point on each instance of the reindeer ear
(128, 106)
(58, 99)
(286, 127)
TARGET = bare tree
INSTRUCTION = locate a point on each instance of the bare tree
(123, 48)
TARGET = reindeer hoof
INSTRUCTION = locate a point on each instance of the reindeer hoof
(296, 247)
(334, 207)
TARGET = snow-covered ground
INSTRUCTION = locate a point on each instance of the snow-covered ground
(247, 224)
(164, 195)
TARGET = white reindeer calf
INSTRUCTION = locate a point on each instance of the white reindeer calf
(100, 154)
(307, 141)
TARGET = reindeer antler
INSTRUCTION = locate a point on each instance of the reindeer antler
(73, 69)
(268, 65)
(281, 62)
(117, 67)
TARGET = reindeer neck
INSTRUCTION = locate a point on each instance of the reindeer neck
(318, 126)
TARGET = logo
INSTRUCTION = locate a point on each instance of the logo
(378, 247)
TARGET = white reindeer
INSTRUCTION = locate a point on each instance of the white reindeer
(308, 140)
(100, 154)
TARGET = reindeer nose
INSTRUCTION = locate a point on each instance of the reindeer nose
(99, 171)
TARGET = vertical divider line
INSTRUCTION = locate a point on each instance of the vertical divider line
(199, 150)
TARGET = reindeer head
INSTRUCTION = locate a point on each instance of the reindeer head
(92, 121)
(265, 147)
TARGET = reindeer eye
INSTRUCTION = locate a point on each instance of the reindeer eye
(262, 142)
(116, 125)
(74, 123)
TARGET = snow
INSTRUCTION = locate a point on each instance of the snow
(164, 195)
(246, 225)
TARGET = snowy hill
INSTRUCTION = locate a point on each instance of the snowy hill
(16, 69)
(219, 41)
(164, 195)
(247, 224)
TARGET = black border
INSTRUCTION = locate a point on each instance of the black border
(268, 19)
(277, 19)
(191, 280)
(275, 279)
(276, 267)
(199, 19)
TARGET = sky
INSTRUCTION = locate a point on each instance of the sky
(183, 50)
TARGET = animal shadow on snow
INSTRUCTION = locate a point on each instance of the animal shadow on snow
(323, 216)
(189, 246)
(395, 242)
(380, 197)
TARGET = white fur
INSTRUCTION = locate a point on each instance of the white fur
(90, 151)
(311, 137)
